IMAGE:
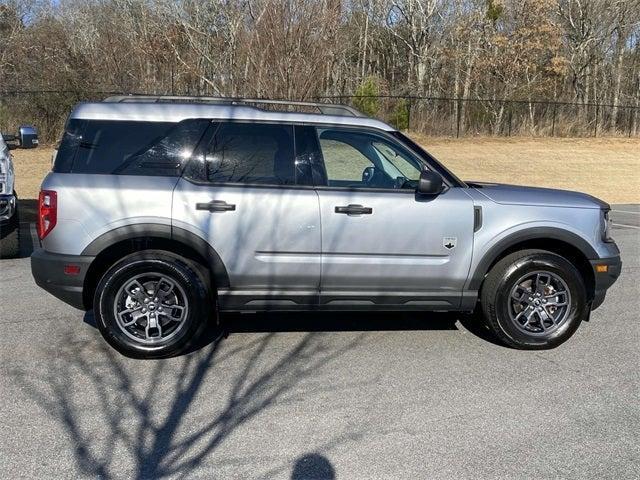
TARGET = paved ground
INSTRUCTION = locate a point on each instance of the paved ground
(626, 216)
(344, 396)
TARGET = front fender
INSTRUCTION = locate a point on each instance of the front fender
(522, 233)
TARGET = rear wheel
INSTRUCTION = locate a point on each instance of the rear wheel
(152, 304)
(534, 299)
(10, 237)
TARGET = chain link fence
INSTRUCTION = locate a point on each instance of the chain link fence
(446, 117)
(458, 117)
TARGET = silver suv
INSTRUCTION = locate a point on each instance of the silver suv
(161, 212)
(27, 137)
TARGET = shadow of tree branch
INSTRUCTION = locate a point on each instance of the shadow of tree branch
(157, 413)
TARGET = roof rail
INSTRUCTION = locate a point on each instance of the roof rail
(323, 108)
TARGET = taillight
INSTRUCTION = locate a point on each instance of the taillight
(47, 212)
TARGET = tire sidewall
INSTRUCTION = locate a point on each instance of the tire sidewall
(112, 281)
(561, 268)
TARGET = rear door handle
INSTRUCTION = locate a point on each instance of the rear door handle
(216, 206)
(352, 209)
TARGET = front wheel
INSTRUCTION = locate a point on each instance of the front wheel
(152, 304)
(534, 299)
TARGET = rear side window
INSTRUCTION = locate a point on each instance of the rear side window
(168, 153)
(128, 148)
(251, 153)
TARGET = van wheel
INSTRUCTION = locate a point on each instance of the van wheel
(152, 304)
(10, 238)
(534, 299)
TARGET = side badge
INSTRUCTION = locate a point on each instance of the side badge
(449, 242)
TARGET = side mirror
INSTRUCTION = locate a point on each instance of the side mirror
(28, 136)
(430, 183)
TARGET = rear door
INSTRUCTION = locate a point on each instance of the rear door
(250, 196)
(382, 244)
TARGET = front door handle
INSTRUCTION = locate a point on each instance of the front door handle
(352, 209)
(216, 206)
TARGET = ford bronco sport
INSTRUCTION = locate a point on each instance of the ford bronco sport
(27, 137)
(161, 212)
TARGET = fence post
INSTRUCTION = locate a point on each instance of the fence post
(458, 111)
(553, 122)
(510, 118)
(595, 127)
(408, 100)
(631, 110)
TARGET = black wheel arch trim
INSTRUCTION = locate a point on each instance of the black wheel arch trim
(536, 233)
(166, 232)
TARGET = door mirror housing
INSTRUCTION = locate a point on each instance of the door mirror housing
(430, 183)
(28, 136)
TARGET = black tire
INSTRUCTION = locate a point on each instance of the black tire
(193, 285)
(10, 237)
(496, 299)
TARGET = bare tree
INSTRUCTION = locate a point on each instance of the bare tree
(568, 50)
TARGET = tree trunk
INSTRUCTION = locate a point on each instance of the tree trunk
(617, 77)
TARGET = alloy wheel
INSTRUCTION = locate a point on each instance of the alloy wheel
(539, 303)
(150, 308)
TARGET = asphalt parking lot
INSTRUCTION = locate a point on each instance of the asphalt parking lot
(321, 396)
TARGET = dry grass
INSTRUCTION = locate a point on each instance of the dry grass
(608, 168)
(31, 167)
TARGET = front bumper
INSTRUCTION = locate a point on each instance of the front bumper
(605, 271)
(48, 270)
(7, 207)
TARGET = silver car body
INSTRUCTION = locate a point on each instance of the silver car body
(283, 248)
(7, 180)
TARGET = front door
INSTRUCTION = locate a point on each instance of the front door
(382, 244)
(249, 198)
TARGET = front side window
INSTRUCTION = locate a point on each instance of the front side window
(251, 153)
(355, 159)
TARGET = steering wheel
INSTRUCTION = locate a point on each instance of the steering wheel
(399, 183)
(368, 174)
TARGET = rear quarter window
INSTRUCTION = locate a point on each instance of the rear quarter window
(68, 146)
(128, 148)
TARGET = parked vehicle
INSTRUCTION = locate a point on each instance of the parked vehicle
(27, 137)
(161, 212)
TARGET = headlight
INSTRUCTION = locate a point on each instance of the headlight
(606, 230)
